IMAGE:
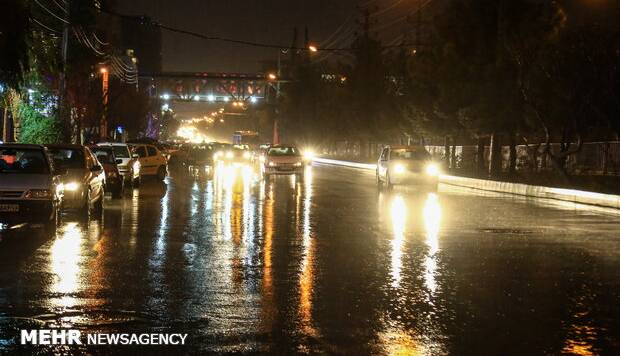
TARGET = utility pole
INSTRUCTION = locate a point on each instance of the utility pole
(62, 95)
(103, 124)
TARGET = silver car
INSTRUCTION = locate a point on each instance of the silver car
(30, 190)
(83, 177)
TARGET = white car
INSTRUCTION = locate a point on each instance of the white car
(152, 161)
(128, 164)
(401, 165)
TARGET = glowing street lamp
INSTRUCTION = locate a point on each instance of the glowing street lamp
(272, 76)
(313, 48)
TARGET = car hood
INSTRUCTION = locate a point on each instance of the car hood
(25, 181)
(284, 159)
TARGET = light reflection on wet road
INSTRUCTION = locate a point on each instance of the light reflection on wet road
(323, 264)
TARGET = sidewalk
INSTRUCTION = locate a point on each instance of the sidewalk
(569, 195)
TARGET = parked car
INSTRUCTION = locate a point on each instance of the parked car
(30, 189)
(128, 164)
(114, 182)
(399, 165)
(83, 178)
(152, 161)
(283, 159)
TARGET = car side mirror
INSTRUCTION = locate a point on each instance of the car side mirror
(96, 168)
(119, 161)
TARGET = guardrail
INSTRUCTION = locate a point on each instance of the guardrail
(569, 195)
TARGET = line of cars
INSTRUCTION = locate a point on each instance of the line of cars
(37, 182)
(269, 159)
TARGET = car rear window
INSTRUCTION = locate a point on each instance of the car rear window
(25, 161)
(121, 151)
(68, 157)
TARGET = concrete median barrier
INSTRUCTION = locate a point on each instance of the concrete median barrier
(570, 195)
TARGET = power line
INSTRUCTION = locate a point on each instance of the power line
(51, 12)
(231, 40)
(44, 26)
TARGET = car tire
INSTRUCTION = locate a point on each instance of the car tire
(98, 205)
(161, 173)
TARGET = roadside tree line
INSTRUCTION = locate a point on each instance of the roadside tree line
(488, 72)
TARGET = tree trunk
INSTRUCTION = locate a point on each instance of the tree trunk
(5, 125)
(446, 151)
(480, 155)
(453, 164)
(495, 151)
(512, 169)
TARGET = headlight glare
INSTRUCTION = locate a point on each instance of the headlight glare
(399, 168)
(432, 169)
(229, 154)
(72, 186)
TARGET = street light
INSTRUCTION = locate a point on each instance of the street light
(272, 76)
(313, 48)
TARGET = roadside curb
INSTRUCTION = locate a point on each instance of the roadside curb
(569, 195)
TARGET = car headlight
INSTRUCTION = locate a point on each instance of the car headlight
(72, 186)
(298, 164)
(309, 155)
(247, 155)
(229, 154)
(217, 154)
(38, 194)
(272, 164)
(432, 169)
(399, 169)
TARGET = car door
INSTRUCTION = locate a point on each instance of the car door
(154, 157)
(143, 158)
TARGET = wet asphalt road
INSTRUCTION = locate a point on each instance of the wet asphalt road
(323, 265)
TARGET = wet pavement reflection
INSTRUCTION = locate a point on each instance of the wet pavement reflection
(322, 263)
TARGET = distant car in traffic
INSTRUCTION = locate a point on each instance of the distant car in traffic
(234, 154)
(30, 189)
(128, 164)
(200, 155)
(400, 165)
(152, 161)
(83, 177)
(283, 159)
(114, 182)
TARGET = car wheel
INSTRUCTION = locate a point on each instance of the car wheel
(161, 173)
(98, 205)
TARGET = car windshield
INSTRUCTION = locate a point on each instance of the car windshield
(120, 151)
(410, 155)
(28, 161)
(283, 151)
(69, 158)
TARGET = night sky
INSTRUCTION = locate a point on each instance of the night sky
(270, 21)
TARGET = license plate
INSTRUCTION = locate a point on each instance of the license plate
(9, 208)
